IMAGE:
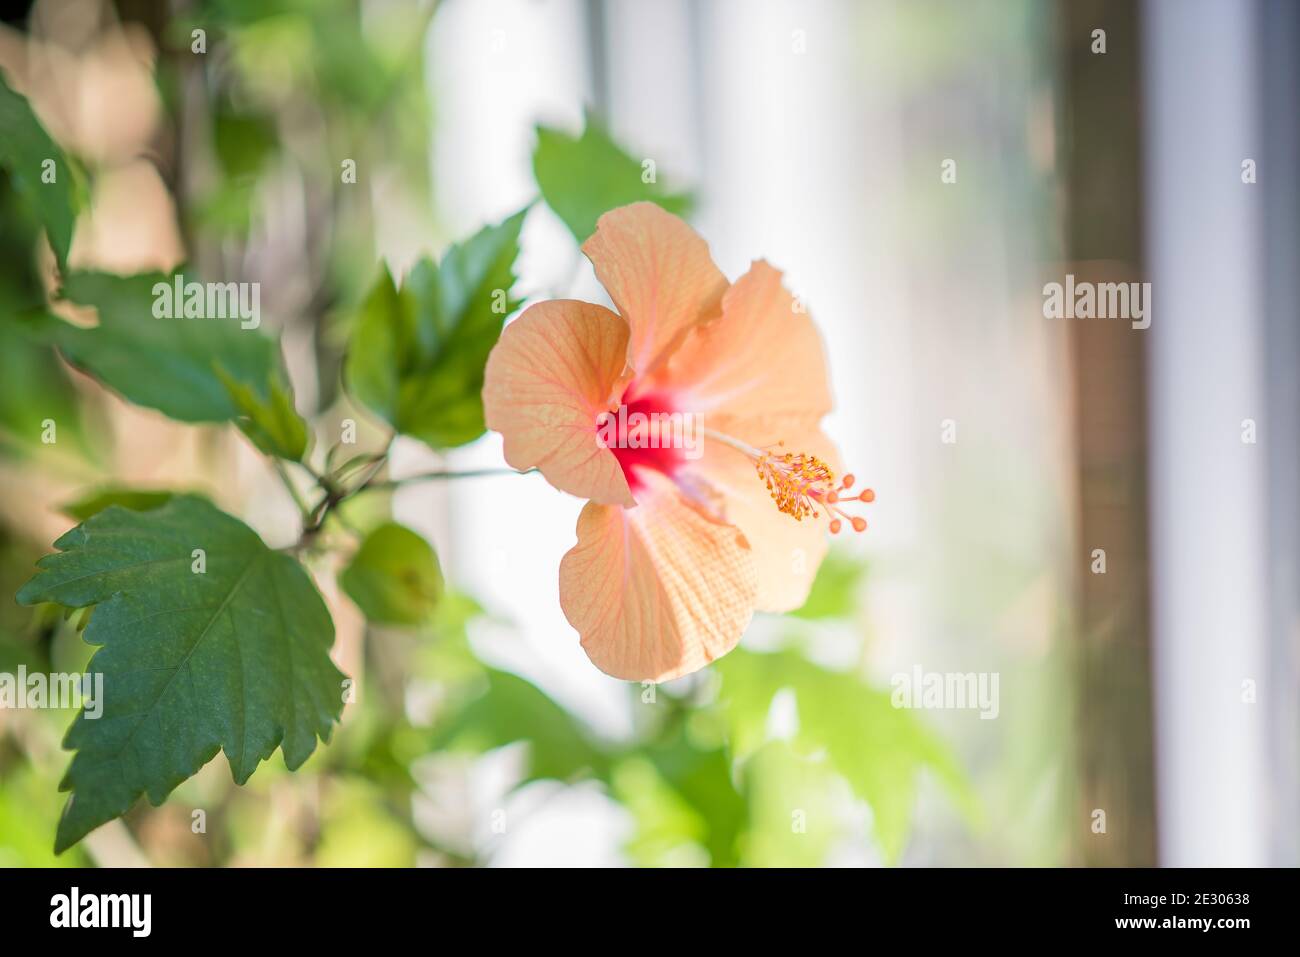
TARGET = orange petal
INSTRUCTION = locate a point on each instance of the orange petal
(548, 379)
(659, 273)
(787, 552)
(761, 357)
(656, 591)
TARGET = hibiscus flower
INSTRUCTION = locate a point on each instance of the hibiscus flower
(716, 500)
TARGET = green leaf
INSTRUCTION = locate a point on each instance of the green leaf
(702, 777)
(137, 500)
(512, 709)
(394, 577)
(244, 141)
(164, 364)
(36, 388)
(583, 177)
(417, 353)
(234, 657)
(666, 829)
(383, 333)
(26, 815)
(360, 827)
(271, 423)
(36, 385)
(780, 785)
(834, 592)
(879, 749)
(681, 795)
(25, 148)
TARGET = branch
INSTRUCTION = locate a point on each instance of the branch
(441, 476)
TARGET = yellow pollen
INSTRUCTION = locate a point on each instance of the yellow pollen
(798, 483)
(804, 486)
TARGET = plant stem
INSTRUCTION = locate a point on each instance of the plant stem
(335, 492)
(441, 476)
(288, 484)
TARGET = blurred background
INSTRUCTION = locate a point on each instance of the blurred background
(919, 170)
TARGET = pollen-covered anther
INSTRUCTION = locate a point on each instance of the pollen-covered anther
(804, 486)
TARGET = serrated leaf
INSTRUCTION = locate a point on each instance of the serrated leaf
(394, 577)
(164, 364)
(586, 176)
(417, 352)
(25, 149)
(233, 658)
(271, 422)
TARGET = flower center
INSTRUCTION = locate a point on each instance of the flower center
(647, 433)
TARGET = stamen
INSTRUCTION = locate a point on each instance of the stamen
(802, 485)
(797, 483)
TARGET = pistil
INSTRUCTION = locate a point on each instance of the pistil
(802, 485)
